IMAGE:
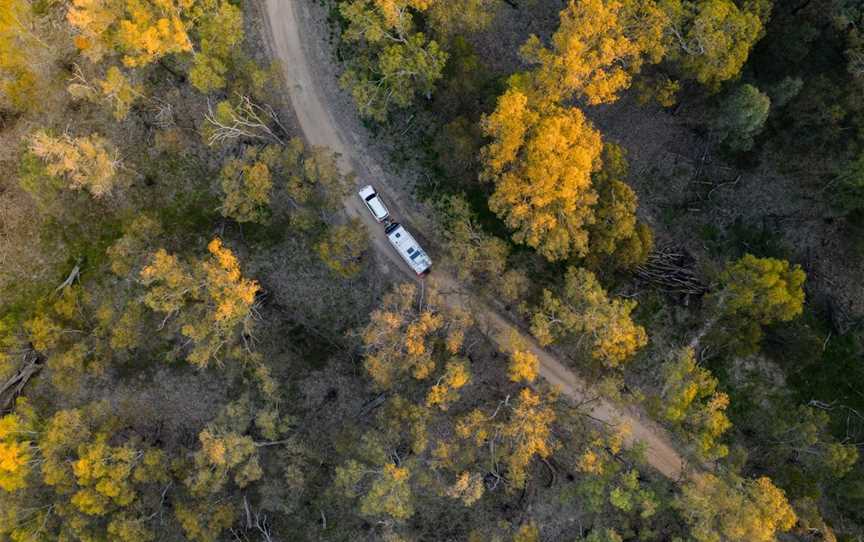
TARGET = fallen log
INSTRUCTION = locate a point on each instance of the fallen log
(13, 387)
(671, 270)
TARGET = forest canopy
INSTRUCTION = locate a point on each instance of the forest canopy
(642, 321)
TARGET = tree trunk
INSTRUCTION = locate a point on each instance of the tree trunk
(12, 388)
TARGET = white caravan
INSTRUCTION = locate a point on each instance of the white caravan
(408, 248)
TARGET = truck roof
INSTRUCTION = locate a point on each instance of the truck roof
(373, 201)
(408, 248)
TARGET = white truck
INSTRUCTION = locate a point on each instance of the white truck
(373, 202)
(408, 248)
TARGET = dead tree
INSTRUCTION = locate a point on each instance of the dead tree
(12, 388)
(245, 120)
(671, 270)
(263, 525)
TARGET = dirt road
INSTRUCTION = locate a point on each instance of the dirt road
(292, 34)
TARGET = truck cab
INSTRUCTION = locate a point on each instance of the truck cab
(374, 203)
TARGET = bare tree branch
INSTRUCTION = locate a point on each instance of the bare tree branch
(247, 119)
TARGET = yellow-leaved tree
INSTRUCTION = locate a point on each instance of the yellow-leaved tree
(541, 161)
(411, 335)
(520, 429)
(690, 400)
(86, 162)
(247, 183)
(229, 460)
(378, 475)
(17, 446)
(765, 290)
(616, 237)
(204, 521)
(142, 30)
(734, 509)
(214, 301)
(385, 491)
(445, 391)
(607, 485)
(341, 248)
(391, 61)
(84, 478)
(20, 76)
(92, 20)
(118, 90)
(713, 38)
(524, 364)
(597, 47)
(527, 433)
(468, 488)
(306, 182)
(394, 11)
(223, 454)
(460, 17)
(755, 292)
(477, 256)
(221, 32)
(106, 476)
(583, 307)
(152, 29)
(65, 328)
(139, 33)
